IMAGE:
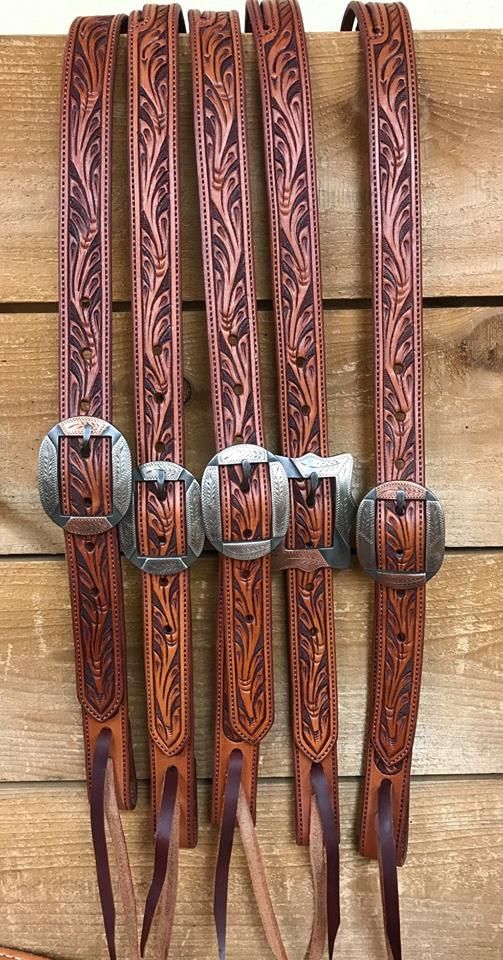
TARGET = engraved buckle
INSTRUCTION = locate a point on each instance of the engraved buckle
(339, 469)
(239, 455)
(162, 472)
(399, 492)
(48, 474)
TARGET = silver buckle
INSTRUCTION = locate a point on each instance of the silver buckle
(399, 492)
(162, 472)
(48, 474)
(238, 455)
(339, 469)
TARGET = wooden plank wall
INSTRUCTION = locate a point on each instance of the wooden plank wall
(451, 884)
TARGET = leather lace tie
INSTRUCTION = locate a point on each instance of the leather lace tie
(400, 525)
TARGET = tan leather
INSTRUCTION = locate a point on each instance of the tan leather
(401, 511)
(245, 696)
(397, 307)
(85, 386)
(258, 877)
(6, 953)
(124, 875)
(158, 363)
(245, 701)
(297, 296)
(316, 946)
(157, 343)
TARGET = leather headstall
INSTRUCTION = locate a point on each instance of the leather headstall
(244, 489)
(85, 464)
(400, 523)
(162, 533)
(321, 507)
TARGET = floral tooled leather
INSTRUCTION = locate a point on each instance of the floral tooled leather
(157, 337)
(397, 306)
(244, 669)
(85, 358)
(289, 149)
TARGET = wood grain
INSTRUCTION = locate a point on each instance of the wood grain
(450, 899)
(460, 728)
(464, 412)
(461, 87)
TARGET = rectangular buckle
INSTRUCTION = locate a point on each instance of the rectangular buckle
(49, 474)
(398, 492)
(339, 470)
(163, 472)
(243, 454)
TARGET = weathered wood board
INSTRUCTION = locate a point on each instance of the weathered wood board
(450, 885)
(460, 726)
(464, 411)
(461, 87)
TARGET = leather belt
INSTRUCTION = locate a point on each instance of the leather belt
(400, 525)
(162, 533)
(320, 504)
(242, 490)
(85, 465)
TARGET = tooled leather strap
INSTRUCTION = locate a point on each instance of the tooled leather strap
(400, 524)
(244, 655)
(85, 365)
(293, 210)
(161, 523)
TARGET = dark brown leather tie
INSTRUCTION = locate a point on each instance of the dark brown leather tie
(400, 525)
(320, 503)
(241, 509)
(162, 533)
(85, 465)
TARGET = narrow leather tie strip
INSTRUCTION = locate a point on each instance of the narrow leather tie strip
(99, 837)
(84, 466)
(162, 533)
(400, 525)
(293, 216)
(162, 844)
(229, 812)
(239, 511)
(388, 871)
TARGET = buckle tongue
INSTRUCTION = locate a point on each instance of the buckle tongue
(49, 474)
(245, 455)
(399, 492)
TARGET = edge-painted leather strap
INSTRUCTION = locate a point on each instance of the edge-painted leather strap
(293, 215)
(245, 708)
(157, 336)
(397, 308)
(85, 364)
